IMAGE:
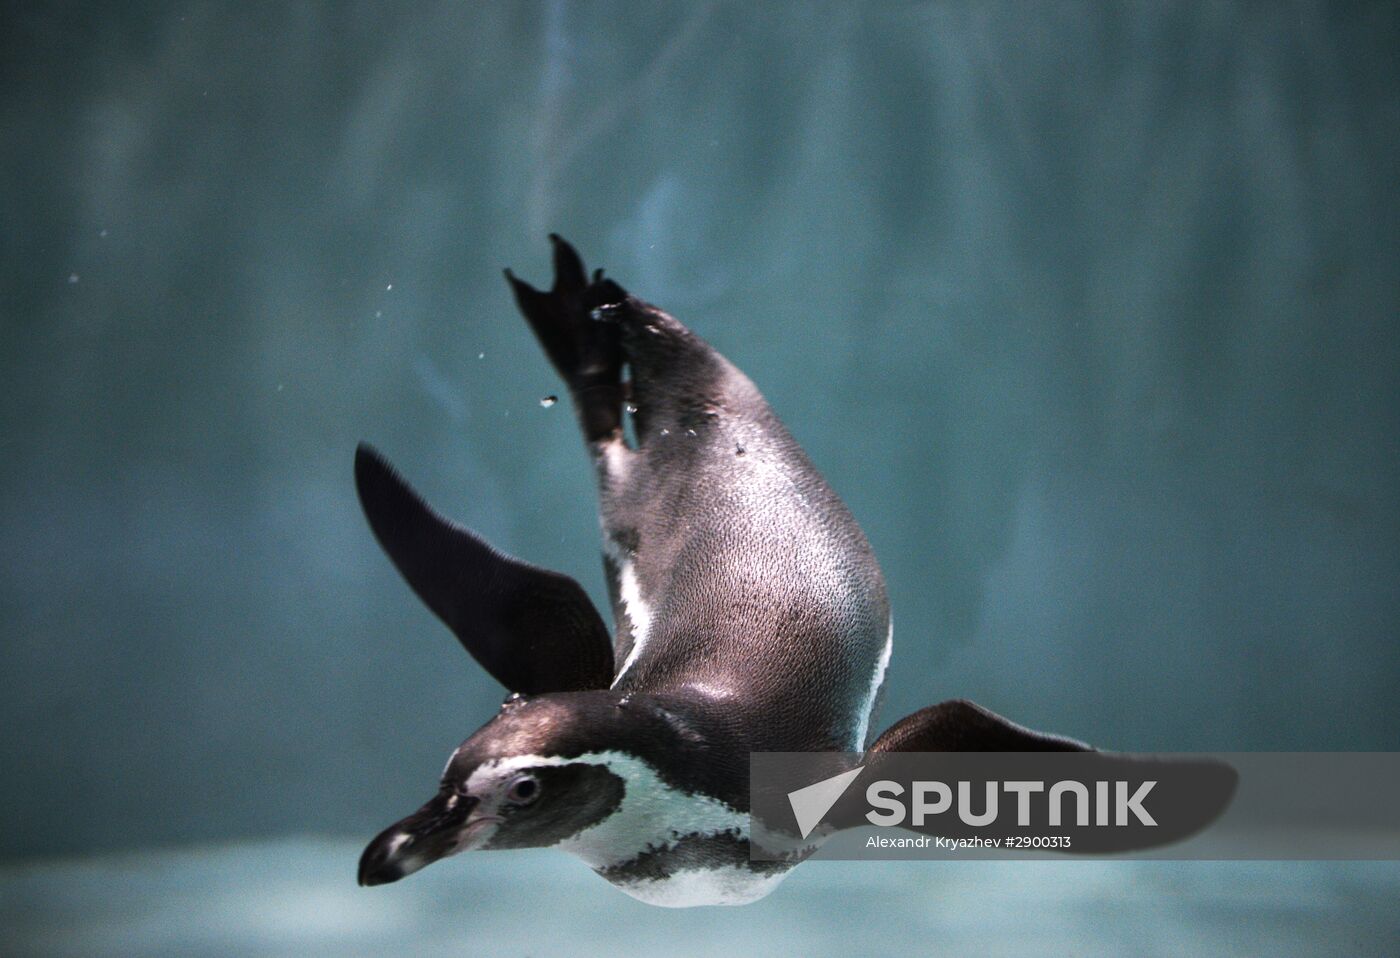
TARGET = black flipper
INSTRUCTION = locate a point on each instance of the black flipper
(533, 630)
(1197, 789)
(962, 726)
(586, 352)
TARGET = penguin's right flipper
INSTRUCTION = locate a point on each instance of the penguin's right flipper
(534, 630)
(587, 353)
(962, 726)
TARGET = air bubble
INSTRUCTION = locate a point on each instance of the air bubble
(548, 401)
(631, 408)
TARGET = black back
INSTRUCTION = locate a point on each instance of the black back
(760, 598)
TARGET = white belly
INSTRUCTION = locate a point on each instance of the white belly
(725, 885)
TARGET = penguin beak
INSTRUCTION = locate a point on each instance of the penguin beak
(440, 828)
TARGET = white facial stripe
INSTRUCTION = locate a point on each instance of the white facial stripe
(638, 613)
(652, 814)
(876, 680)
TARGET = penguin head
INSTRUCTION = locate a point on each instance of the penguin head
(532, 777)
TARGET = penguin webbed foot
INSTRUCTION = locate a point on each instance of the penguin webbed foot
(592, 329)
(562, 318)
(586, 353)
(604, 297)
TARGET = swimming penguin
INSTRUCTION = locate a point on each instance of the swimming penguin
(751, 616)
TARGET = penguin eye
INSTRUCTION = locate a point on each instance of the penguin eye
(524, 790)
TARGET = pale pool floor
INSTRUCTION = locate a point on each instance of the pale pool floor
(300, 898)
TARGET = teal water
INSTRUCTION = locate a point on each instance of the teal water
(291, 898)
(1087, 311)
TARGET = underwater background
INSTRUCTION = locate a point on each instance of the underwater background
(1090, 312)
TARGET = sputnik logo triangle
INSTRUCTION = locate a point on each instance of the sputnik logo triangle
(810, 803)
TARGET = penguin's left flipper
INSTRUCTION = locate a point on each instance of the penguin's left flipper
(962, 726)
(1196, 788)
(534, 630)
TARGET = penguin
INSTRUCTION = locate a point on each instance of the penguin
(750, 616)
